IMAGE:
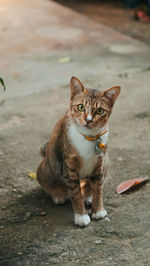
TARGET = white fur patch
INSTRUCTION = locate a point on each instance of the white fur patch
(104, 138)
(85, 148)
(89, 117)
(88, 166)
(82, 220)
(99, 215)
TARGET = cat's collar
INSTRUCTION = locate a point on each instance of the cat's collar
(93, 138)
(101, 141)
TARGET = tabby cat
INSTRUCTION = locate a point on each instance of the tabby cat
(75, 158)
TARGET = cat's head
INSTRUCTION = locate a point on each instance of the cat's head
(91, 108)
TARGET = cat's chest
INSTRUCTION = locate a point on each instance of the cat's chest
(86, 150)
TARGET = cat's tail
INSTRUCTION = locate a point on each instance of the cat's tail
(43, 149)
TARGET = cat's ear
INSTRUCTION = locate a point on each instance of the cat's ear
(76, 86)
(112, 94)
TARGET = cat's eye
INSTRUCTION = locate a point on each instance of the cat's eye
(81, 107)
(100, 111)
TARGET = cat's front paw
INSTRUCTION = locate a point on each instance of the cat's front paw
(81, 219)
(99, 215)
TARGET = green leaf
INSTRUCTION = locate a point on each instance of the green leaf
(2, 83)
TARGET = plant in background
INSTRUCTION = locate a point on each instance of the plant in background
(2, 83)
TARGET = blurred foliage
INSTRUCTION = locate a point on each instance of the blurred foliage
(2, 83)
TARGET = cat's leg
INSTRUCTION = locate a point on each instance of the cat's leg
(86, 191)
(73, 183)
(59, 193)
(55, 187)
(80, 214)
(98, 211)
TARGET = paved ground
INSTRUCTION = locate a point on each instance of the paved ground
(34, 37)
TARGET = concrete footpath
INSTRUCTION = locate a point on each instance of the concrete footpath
(42, 45)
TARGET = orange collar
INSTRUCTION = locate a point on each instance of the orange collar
(91, 138)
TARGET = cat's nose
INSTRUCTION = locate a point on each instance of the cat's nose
(89, 119)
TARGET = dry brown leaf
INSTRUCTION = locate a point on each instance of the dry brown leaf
(124, 186)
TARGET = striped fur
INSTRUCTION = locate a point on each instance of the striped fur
(70, 168)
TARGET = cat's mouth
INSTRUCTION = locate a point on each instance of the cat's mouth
(88, 126)
(92, 126)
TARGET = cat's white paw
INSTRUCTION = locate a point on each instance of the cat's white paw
(99, 215)
(81, 219)
(58, 200)
(88, 200)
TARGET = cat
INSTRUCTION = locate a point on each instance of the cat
(75, 158)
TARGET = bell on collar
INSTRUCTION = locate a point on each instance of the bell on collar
(99, 147)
